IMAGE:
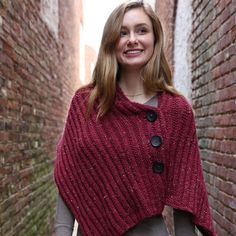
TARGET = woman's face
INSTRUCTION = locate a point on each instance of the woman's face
(136, 44)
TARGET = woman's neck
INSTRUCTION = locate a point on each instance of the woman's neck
(131, 83)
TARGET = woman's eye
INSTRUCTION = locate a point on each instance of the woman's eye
(142, 30)
(123, 33)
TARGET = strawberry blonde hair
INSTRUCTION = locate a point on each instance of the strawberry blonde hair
(156, 73)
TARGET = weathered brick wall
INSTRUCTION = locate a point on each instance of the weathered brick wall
(38, 75)
(166, 11)
(214, 101)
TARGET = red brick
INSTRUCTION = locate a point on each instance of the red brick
(167, 20)
(214, 102)
(231, 176)
(37, 76)
(227, 200)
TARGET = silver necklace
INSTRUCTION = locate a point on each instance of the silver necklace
(134, 95)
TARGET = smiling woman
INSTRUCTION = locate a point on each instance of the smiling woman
(129, 146)
(136, 44)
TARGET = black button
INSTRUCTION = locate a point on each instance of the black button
(151, 115)
(157, 167)
(156, 141)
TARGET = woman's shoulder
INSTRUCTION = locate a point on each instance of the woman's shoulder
(83, 91)
(81, 96)
(178, 104)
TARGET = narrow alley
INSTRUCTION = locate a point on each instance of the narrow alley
(44, 59)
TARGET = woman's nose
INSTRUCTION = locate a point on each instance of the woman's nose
(132, 39)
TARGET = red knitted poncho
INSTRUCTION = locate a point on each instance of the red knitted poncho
(115, 171)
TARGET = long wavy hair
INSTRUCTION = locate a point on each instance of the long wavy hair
(156, 73)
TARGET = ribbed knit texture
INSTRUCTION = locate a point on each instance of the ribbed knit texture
(104, 172)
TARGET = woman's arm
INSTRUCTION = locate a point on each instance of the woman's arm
(64, 222)
(183, 223)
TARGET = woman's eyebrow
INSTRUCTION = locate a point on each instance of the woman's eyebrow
(138, 25)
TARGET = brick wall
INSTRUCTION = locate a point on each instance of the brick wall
(38, 75)
(166, 11)
(214, 101)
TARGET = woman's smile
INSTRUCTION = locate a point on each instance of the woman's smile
(133, 52)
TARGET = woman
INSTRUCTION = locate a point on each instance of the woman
(129, 146)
